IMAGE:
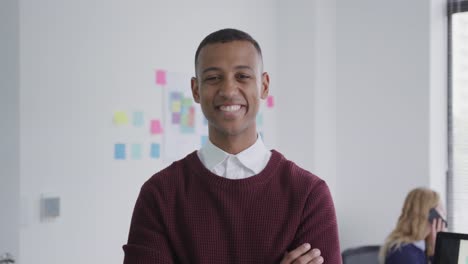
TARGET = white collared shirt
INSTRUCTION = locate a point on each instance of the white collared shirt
(247, 163)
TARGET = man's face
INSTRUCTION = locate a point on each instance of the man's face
(228, 86)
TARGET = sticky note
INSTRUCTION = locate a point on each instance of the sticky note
(259, 119)
(120, 118)
(175, 96)
(156, 127)
(176, 106)
(191, 119)
(187, 101)
(185, 129)
(175, 118)
(136, 151)
(270, 101)
(204, 140)
(138, 119)
(119, 151)
(161, 77)
(155, 151)
(185, 120)
(184, 110)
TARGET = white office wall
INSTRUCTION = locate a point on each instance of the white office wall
(386, 112)
(363, 104)
(9, 127)
(348, 109)
(80, 61)
(306, 113)
(383, 113)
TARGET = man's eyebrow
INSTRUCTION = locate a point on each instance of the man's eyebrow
(240, 67)
(211, 69)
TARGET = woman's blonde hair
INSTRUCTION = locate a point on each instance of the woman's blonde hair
(413, 221)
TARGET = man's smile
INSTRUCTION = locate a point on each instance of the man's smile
(230, 108)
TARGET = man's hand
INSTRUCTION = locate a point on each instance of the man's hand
(303, 254)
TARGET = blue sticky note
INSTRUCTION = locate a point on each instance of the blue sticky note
(184, 110)
(136, 151)
(186, 129)
(119, 151)
(259, 119)
(204, 140)
(155, 151)
(138, 119)
(176, 95)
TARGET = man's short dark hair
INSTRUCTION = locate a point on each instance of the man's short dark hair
(224, 36)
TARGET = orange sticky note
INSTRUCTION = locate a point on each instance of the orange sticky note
(270, 101)
(156, 127)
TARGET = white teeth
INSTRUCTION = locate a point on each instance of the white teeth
(230, 108)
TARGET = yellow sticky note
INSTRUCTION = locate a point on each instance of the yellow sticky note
(176, 105)
(120, 118)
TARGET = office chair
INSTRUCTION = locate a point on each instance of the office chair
(361, 255)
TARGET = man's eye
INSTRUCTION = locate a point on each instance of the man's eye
(243, 76)
(212, 78)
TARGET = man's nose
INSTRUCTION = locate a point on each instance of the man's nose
(229, 88)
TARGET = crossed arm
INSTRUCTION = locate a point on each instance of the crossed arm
(146, 229)
(303, 254)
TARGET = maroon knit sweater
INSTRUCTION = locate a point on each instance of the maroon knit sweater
(187, 214)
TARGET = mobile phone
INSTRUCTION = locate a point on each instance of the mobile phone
(433, 214)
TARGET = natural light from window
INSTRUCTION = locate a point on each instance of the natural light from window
(460, 121)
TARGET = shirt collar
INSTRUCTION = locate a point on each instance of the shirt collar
(211, 155)
(421, 244)
(253, 157)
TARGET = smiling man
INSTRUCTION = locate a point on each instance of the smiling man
(233, 201)
(229, 85)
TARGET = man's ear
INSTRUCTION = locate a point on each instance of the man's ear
(195, 91)
(265, 86)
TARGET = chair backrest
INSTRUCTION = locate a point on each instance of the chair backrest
(361, 255)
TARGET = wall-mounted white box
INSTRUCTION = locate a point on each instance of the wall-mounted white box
(50, 207)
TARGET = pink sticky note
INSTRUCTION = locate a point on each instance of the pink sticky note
(270, 101)
(156, 127)
(191, 119)
(161, 77)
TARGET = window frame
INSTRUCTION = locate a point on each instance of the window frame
(453, 7)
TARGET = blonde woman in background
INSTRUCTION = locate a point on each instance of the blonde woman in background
(413, 239)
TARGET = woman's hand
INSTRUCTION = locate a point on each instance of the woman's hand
(436, 226)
